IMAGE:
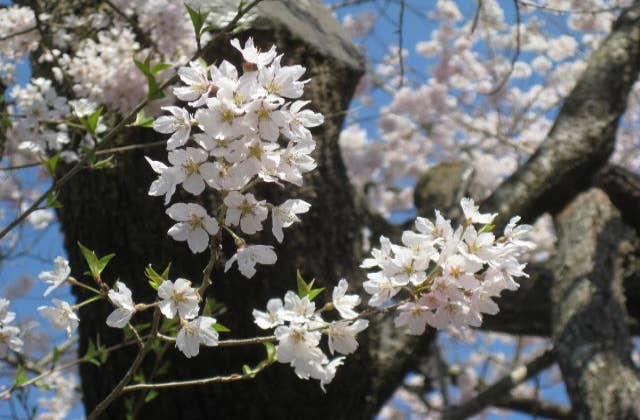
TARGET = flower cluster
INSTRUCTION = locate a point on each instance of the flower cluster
(40, 112)
(176, 298)
(452, 275)
(17, 39)
(299, 328)
(100, 73)
(9, 334)
(250, 129)
(61, 315)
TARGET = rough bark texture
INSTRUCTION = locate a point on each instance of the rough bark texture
(623, 188)
(591, 340)
(583, 135)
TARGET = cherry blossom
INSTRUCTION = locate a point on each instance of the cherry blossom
(61, 316)
(125, 308)
(178, 298)
(178, 125)
(344, 303)
(284, 215)
(249, 256)
(194, 333)
(194, 225)
(246, 211)
(59, 275)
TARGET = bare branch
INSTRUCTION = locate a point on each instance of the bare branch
(499, 389)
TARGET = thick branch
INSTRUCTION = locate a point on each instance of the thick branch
(591, 339)
(623, 188)
(535, 407)
(583, 135)
(494, 393)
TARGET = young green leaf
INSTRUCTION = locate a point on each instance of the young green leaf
(104, 163)
(51, 164)
(220, 328)
(155, 279)
(55, 356)
(153, 87)
(96, 265)
(20, 376)
(271, 351)
(142, 120)
(487, 228)
(198, 19)
(52, 201)
(91, 122)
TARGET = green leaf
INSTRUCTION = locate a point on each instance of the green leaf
(96, 265)
(138, 378)
(246, 369)
(159, 67)
(151, 395)
(303, 287)
(487, 228)
(165, 273)
(96, 355)
(154, 91)
(51, 164)
(155, 279)
(52, 201)
(91, 122)
(142, 120)
(55, 356)
(197, 19)
(271, 352)
(313, 293)
(20, 376)
(220, 328)
(104, 163)
(92, 352)
(306, 289)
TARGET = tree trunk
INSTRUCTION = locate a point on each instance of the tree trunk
(590, 335)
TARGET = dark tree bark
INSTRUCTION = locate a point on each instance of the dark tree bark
(591, 339)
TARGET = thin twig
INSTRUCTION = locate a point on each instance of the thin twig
(400, 42)
(535, 407)
(22, 32)
(99, 409)
(476, 17)
(231, 342)
(516, 53)
(234, 377)
(569, 11)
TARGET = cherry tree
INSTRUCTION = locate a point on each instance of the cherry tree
(269, 210)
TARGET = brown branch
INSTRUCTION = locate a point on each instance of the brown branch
(515, 55)
(535, 407)
(115, 393)
(234, 377)
(499, 389)
(623, 188)
(583, 135)
(22, 32)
